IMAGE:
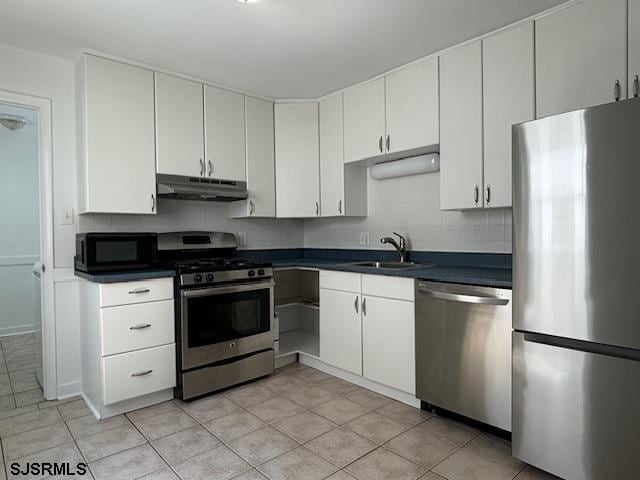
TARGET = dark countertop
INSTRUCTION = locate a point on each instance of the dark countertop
(126, 276)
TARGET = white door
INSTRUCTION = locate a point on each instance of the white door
(341, 330)
(261, 180)
(461, 128)
(119, 138)
(364, 121)
(297, 160)
(225, 134)
(412, 100)
(388, 343)
(179, 126)
(634, 48)
(580, 55)
(509, 98)
(331, 157)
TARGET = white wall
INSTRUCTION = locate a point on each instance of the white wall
(411, 206)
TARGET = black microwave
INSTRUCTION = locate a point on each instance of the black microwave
(113, 252)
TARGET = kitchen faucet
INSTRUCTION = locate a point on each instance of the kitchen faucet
(401, 248)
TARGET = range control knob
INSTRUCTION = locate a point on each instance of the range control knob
(261, 272)
(252, 273)
(209, 277)
(197, 278)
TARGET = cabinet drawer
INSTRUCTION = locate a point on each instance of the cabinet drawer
(134, 327)
(134, 374)
(126, 293)
(388, 287)
(343, 281)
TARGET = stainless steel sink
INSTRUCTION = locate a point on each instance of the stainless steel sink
(390, 265)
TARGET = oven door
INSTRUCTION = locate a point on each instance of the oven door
(218, 323)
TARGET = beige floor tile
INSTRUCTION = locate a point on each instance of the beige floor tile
(66, 453)
(464, 465)
(495, 449)
(5, 385)
(209, 408)
(164, 474)
(431, 476)
(305, 426)
(340, 475)
(185, 444)
(28, 421)
(23, 381)
(234, 425)
(27, 362)
(421, 447)
(275, 409)
(148, 412)
(367, 398)
(90, 425)
(382, 464)
(404, 413)
(283, 384)
(217, 464)
(298, 464)
(74, 409)
(99, 445)
(262, 445)
(250, 395)
(165, 424)
(55, 403)
(14, 412)
(294, 367)
(252, 474)
(532, 473)
(30, 397)
(340, 446)
(7, 402)
(340, 410)
(337, 385)
(452, 431)
(310, 396)
(128, 465)
(33, 441)
(376, 427)
(311, 375)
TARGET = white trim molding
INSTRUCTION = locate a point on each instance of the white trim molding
(15, 260)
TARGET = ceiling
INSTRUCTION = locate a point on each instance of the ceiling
(276, 48)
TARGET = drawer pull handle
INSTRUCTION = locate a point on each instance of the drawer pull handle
(141, 374)
(140, 326)
(139, 290)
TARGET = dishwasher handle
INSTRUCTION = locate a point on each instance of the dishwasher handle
(462, 297)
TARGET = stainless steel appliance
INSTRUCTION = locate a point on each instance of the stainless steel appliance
(576, 345)
(224, 312)
(111, 252)
(200, 188)
(463, 350)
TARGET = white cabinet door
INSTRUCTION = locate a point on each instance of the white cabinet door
(509, 98)
(179, 126)
(341, 330)
(297, 160)
(388, 342)
(261, 180)
(461, 128)
(224, 134)
(580, 54)
(119, 138)
(364, 121)
(634, 48)
(331, 157)
(412, 99)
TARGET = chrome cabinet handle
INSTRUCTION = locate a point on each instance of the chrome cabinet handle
(617, 90)
(251, 207)
(476, 195)
(201, 168)
(459, 297)
(139, 290)
(141, 374)
(317, 209)
(364, 306)
(355, 304)
(340, 206)
(153, 203)
(380, 143)
(140, 326)
(636, 86)
(388, 142)
(488, 195)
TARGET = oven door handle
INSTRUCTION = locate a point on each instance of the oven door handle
(205, 292)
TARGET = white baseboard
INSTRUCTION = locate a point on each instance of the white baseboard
(17, 330)
(67, 390)
(390, 392)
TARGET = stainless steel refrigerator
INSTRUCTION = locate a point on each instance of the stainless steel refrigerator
(576, 291)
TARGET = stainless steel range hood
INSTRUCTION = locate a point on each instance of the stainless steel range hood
(196, 188)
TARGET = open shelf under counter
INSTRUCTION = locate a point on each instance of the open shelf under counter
(301, 301)
(299, 341)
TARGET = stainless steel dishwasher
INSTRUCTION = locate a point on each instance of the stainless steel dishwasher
(463, 350)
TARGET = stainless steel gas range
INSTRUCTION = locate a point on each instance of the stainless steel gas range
(224, 312)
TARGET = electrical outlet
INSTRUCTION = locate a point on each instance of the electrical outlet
(242, 239)
(364, 238)
(66, 216)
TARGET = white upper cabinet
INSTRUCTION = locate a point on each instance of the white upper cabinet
(412, 98)
(581, 56)
(364, 121)
(331, 157)
(117, 172)
(224, 126)
(260, 162)
(634, 48)
(297, 160)
(509, 98)
(179, 126)
(461, 128)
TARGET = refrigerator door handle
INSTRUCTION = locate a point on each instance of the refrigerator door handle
(459, 297)
(583, 346)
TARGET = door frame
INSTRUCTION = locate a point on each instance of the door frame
(45, 169)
